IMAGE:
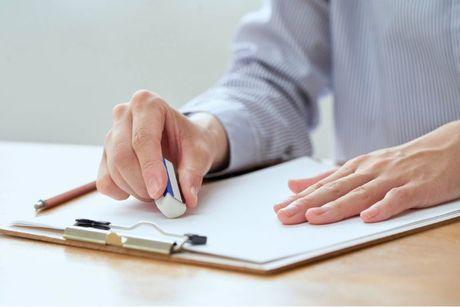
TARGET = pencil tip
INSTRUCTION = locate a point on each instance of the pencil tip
(39, 205)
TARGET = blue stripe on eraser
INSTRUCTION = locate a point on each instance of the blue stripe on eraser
(169, 189)
(172, 186)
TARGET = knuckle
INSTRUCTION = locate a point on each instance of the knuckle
(150, 164)
(119, 110)
(365, 176)
(386, 153)
(159, 104)
(142, 95)
(303, 201)
(121, 155)
(335, 188)
(398, 194)
(138, 104)
(379, 164)
(360, 159)
(143, 99)
(362, 193)
(317, 186)
(346, 168)
(140, 138)
(291, 199)
(395, 200)
(389, 180)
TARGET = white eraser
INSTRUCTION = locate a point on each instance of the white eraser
(170, 207)
(171, 204)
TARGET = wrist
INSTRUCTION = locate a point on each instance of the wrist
(216, 138)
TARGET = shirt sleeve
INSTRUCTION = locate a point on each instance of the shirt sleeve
(267, 99)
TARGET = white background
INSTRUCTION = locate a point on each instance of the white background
(64, 64)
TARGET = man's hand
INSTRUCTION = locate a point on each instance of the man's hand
(379, 185)
(145, 130)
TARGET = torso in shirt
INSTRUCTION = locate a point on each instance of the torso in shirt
(396, 71)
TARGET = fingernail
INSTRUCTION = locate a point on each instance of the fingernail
(370, 213)
(290, 210)
(194, 191)
(282, 204)
(319, 210)
(153, 187)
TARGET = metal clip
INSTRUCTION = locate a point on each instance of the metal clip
(103, 233)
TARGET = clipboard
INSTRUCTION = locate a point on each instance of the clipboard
(255, 243)
(192, 258)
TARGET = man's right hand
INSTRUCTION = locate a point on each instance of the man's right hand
(145, 130)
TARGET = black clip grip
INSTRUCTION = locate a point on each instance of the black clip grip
(92, 224)
(196, 239)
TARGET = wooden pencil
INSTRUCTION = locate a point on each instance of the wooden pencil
(65, 197)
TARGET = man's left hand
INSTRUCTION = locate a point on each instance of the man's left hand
(422, 173)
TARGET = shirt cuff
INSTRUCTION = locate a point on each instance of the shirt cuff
(243, 143)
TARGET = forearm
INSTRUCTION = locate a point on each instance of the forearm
(261, 125)
(267, 100)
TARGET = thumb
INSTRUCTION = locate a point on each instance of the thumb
(191, 172)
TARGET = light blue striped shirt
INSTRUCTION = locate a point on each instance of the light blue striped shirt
(393, 66)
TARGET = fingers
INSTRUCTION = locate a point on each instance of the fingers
(295, 212)
(105, 184)
(395, 201)
(190, 181)
(122, 162)
(298, 185)
(191, 171)
(350, 204)
(341, 172)
(142, 131)
(148, 115)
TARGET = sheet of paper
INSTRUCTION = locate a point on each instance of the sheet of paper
(236, 214)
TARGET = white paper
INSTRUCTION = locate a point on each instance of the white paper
(235, 214)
